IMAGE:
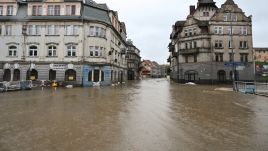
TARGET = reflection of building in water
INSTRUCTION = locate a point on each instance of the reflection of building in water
(202, 47)
(78, 42)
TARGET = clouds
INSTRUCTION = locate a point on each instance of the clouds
(149, 22)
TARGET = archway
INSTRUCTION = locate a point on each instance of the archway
(7, 75)
(221, 76)
(16, 75)
(70, 75)
(52, 75)
(32, 75)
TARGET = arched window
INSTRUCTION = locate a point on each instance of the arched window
(70, 75)
(96, 76)
(71, 51)
(16, 76)
(12, 51)
(33, 51)
(32, 75)
(52, 75)
(7, 75)
(52, 51)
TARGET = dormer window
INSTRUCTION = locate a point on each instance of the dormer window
(9, 10)
(206, 14)
(70, 10)
(53, 10)
(37, 10)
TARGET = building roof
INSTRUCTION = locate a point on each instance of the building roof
(229, 2)
(206, 3)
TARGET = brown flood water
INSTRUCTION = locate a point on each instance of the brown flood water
(148, 115)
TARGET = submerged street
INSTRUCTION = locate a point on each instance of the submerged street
(147, 115)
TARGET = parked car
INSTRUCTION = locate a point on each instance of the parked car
(3, 87)
(26, 85)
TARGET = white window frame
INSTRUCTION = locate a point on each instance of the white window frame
(91, 51)
(71, 30)
(230, 30)
(52, 30)
(8, 30)
(70, 10)
(34, 30)
(37, 11)
(218, 30)
(12, 52)
(71, 51)
(52, 51)
(10, 9)
(53, 10)
(33, 52)
(243, 30)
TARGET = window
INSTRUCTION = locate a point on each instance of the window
(230, 44)
(243, 30)
(230, 30)
(53, 30)
(195, 44)
(195, 58)
(218, 44)
(12, 51)
(205, 14)
(95, 51)
(52, 51)
(53, 10)
(98, 32)
(9, 10)
(186, 59)
(190, 32)
(231, 56)
(32, 51)
(70, 10)
(219, 57)
(1, 10)
(71, 30)
(34, 29)
(37, 10)
(243, 45)
(225, 17)
(234, 17)
(191, 45)
(71, 51)
(186, 33)
(194, 31)
(8, 30)
(218, 30)
(244, 57)
(186, 45)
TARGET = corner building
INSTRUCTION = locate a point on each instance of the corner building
(73, 41)
(203, 46)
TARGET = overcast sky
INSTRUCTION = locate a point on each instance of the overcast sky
(149, 22)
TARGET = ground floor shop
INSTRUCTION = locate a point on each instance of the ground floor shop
(217, 72)
(65, 73)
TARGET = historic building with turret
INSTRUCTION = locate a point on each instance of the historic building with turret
(74, 41)
(211, 44)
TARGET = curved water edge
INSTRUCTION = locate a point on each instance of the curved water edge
(152, 114)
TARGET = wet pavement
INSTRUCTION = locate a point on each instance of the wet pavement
(148, 115)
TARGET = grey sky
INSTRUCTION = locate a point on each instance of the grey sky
(149, 22)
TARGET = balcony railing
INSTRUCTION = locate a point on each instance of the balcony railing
(189, 51)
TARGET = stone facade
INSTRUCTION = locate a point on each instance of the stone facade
(211, 42)
(133, 61)
(71, 41)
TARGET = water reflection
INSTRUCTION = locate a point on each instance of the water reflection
(141, 116)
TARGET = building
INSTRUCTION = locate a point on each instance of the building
(133, 61)
(212, 43)
(151, 69)
(72, 41)
(261, 64)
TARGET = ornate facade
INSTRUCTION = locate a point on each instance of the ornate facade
(73, 41)
(210, 42)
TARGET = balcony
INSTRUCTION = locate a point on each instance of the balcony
(189, 51)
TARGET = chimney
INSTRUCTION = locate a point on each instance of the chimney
(192, 9)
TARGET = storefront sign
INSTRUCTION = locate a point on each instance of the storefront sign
(58, 67)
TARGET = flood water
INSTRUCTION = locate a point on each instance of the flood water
(148, 115)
